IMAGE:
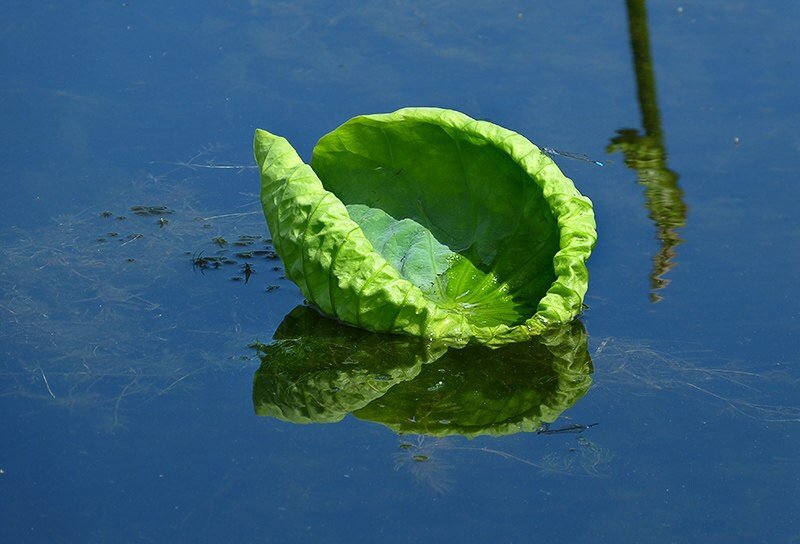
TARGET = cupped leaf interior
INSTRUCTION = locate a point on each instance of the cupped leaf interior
(453, 213)
(446, 277)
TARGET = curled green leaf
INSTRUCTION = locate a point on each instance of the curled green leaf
(428, 223)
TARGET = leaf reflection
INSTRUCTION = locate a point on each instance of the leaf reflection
(318, 370)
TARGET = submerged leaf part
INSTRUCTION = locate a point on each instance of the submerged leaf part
(429, 223)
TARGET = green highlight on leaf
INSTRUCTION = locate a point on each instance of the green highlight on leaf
(428, 223)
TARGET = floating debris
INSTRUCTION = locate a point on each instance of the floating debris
(268, 253)
(131, 237)
(574, 428)
(569, 155)
(151, 210)
(202, 262)
(247, 240)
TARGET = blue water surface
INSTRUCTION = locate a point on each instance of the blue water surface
(126, 380)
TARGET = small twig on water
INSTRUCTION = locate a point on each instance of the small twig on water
(47, 384)
(241, 214)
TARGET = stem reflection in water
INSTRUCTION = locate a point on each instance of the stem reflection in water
(647, 154)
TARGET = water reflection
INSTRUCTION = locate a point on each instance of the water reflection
(647, 154)
(317, 370)
(430, 460)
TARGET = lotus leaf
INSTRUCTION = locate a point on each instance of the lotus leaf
(428, 223)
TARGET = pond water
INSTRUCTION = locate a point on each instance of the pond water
(126, 367)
